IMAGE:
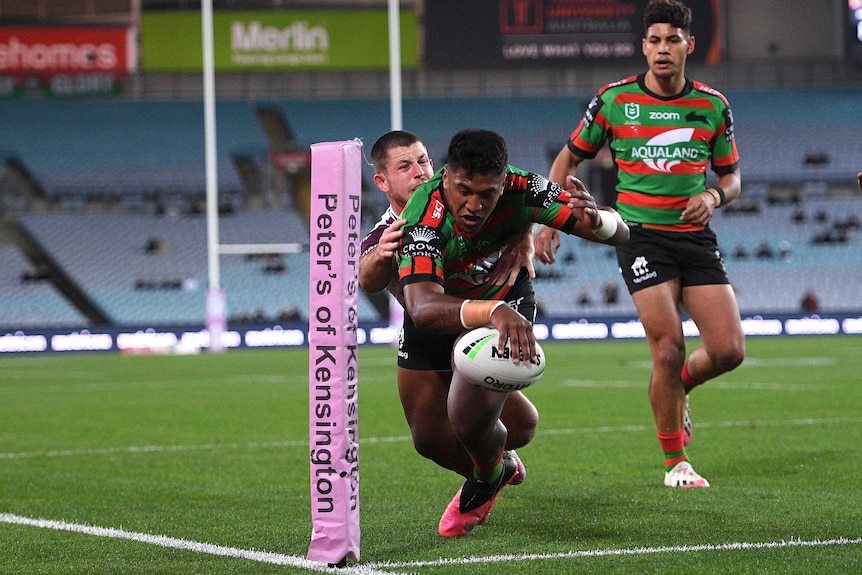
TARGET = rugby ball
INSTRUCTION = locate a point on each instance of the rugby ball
(476, 357)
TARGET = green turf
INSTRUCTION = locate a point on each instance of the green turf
(213, 449)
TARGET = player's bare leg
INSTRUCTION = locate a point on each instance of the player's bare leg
(716, 314)
(424, 397)
(658, 309)
(475, 416)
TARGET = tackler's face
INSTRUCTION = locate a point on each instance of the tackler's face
(407, 168)
(472, 197)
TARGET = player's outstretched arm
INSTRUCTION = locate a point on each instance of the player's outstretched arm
(599, 224)
(434, 311)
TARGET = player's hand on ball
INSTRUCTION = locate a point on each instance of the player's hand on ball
(517, 331)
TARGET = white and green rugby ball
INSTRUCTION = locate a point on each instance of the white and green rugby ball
(477, 359)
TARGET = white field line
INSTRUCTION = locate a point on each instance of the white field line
(199, 447)
(385, 568)
(404, 438)
(186, 545)
(741, 546)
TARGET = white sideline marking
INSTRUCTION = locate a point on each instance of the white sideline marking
(406, 438)
(186, 545)
(377, 568)
(706, 425)
(617, 552)
(170, 448)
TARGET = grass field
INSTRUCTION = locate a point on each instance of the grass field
(209, 453)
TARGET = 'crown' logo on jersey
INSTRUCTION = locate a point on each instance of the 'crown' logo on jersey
(422, 234)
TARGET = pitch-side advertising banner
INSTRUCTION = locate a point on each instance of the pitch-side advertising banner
(276, 40)
(64, 61)
(508, 33)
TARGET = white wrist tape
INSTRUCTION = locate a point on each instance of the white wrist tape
(608, 227)
(463, 303)
(477, 313)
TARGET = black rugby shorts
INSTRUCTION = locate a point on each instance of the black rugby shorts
(655, 256)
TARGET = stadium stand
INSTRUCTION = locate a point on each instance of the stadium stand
(118, 153)
(78, 150)
(773, 284)
(31, 302)
(110, 261)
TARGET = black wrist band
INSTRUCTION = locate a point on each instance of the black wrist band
(720, 195)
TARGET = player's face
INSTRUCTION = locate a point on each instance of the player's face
(407, 169)
(471, 198)
(666, 48)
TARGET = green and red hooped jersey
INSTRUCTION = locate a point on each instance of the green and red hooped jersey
(661, 146)
(434, 249)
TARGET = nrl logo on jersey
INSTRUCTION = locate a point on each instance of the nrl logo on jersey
(633, 110)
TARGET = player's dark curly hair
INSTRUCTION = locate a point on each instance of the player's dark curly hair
(391, 139)
(478, 152)
(672, 12)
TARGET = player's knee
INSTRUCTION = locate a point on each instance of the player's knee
(669, 358)
(521, 419)
(522, 432)
(426, 449)
(428, 445)
(518, 438)
(730, 357)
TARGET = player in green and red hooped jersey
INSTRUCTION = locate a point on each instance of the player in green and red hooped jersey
(457, 227)
(401, 165)
(664, 131)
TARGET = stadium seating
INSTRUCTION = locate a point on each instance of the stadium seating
(125, 150)
(33, 303)
(116, 148)
(133, 287)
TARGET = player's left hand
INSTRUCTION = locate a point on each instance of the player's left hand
(581, 202)
(516, 255)
(390, 240)
(698, 210)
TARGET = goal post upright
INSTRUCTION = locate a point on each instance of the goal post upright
(336, 193)
(216, 308)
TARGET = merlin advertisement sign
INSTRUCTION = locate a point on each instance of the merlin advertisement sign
(276, 40)
(507, 33)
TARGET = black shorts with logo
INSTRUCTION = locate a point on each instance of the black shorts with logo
(654, 256)
(433, 351)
